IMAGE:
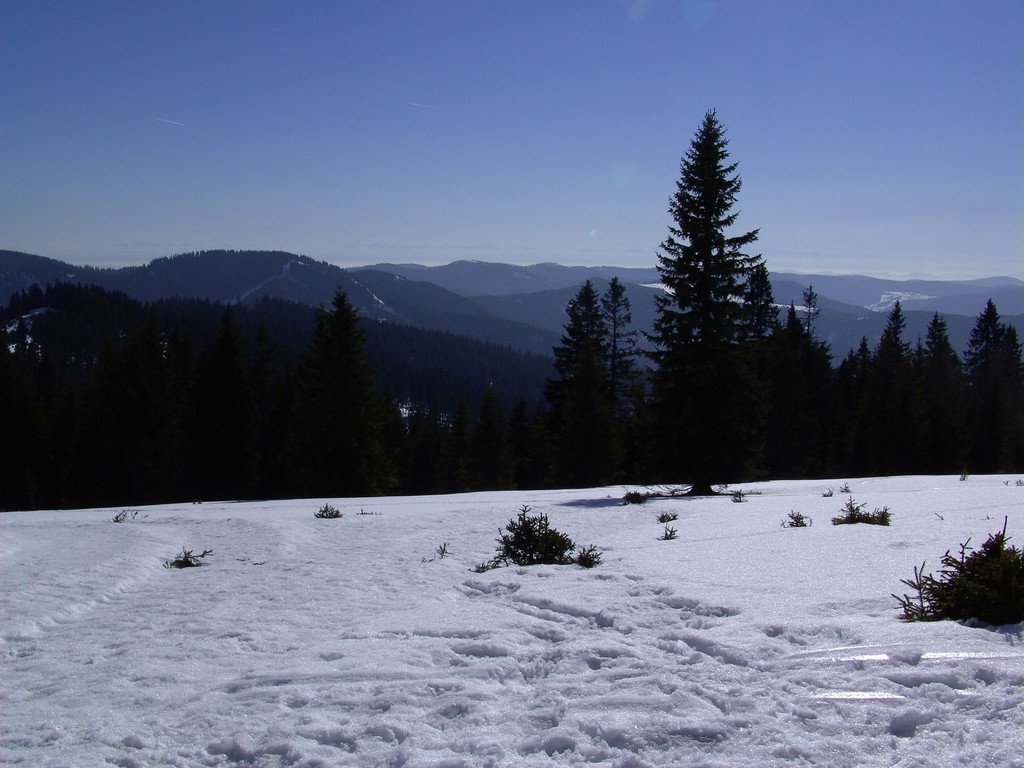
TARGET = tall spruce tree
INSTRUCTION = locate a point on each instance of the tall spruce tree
(943, 401)
(705, 397)
(336, 442)
(995, 380)
(151, 417)
(811, 310)
(225, 419)
(798, 374)
(581, 402)
(848, 427)
(270, 398)
(621, 347)
(894, 412)
(760, 301)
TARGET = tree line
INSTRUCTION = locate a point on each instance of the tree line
(271, 401)
(155, 416)
(732, 391)
(105, 400)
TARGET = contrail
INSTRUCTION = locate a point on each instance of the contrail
(421, 106)
(171, 122)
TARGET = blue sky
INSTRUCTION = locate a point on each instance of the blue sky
(882, 138)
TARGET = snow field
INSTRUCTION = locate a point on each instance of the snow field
(306, 642)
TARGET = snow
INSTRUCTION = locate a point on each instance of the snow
(352, 642)
(888, 300)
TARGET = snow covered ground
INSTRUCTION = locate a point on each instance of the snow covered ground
(351, 642)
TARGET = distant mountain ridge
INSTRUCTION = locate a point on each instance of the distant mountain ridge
(522, 307)
(481, 278)
(246, 276)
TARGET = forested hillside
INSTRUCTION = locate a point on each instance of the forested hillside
(104, 399)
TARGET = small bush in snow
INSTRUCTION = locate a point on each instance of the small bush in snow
(844, 488)
(667, 517)
(635, 497)
(328, 512)
(669, 534)
(828, 494)
(738, 496)
(796, 520)
(853, 513)
(588, 557)
(530, 540)
(186, 559)
(985, 586)
(125, 515)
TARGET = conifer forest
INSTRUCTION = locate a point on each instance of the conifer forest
(105, 400)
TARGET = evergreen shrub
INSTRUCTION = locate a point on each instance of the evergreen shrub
(853, 513)
(328, 512)
(796, 520)
(589, 557)
(985, 586)
(530, 540)
(187, 560)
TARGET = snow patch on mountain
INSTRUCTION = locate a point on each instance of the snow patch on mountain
(888, 300)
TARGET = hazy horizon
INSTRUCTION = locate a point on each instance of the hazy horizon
(118, 264)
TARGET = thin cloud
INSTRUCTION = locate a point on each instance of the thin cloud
(421, 106)
(169, 122)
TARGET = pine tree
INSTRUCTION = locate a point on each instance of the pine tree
(585, 332)
(151, 416)
(760, 301)
(811, 310)
(621, 346)
(705, 398)
(225, 421)
(941, 384)
(894, 412)
(581, 402)
(798, 376)
(270, 398)
(995, 380)
(848, 428)
(336, 446)
(491, 458)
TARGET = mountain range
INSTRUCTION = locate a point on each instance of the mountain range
(520, 307)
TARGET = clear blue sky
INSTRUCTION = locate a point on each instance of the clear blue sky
(881, 138)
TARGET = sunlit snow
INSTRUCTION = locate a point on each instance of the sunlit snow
(353, 642)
